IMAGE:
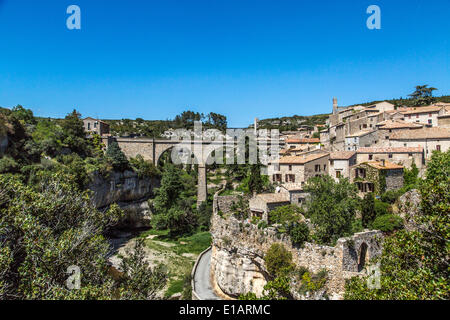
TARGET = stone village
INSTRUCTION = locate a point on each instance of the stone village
(360, 143)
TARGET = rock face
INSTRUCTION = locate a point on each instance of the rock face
(127, 190)
(409, 208)
(238, 249)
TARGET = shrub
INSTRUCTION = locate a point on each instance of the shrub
(381, 208)
(116, 157)
(278, 260)
(285, 214)
(299, 233)
(387, 223)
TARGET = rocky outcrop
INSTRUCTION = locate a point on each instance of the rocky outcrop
(409, 209)
(238, 250)
(127, 190)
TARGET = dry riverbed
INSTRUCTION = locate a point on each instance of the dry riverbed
(178, 256)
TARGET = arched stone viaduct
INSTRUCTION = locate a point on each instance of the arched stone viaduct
(151, 149)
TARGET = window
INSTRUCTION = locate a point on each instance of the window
(405, 144)
(331, 162)
(390, 155)
(410, 154)
(290, 178)
(438, 147)
(386, 137)
(338, 174)
(89, 126)
(409, 116)
(430, 121)
(324, 167)
(370, 156)
(390, 130)
(364, 125)
(290, 167)
(317, 168)
(95, 124)
(417, 115)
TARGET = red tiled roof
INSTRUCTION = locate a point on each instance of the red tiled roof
(341, 155)
(420, 134)
(304, 140)
(391, 150)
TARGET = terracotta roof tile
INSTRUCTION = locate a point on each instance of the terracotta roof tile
(301, 159)
(390, 150)
(420, 134)
(341, 155)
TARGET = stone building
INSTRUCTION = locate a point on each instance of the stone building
(360, 139)
(97, 126)
(444, 116)
(427, 115)
(340, 163)
(296, 170)
(404, 156)
(377, 176)
(387, 127)
(261, 204)
(428, 138)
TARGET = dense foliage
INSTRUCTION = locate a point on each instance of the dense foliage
(414, 264)
(331, 207)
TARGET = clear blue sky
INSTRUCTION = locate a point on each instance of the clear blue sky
(241, 58)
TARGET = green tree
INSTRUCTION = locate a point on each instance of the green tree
(368, 209)
(116, 157)
(139, 281)
(169, 191)
(414, 264)
(74, 135)
(25, 115)
(299, 233)
(410, 176)
(423, 95)
(331, 207)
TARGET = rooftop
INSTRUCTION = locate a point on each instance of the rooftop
(387, 165)
(360, 133)
(304, 140)
(341, 155)
(420, 134)
(391, 150)
(398, 124)
(425, 109)
(273, 197)
(301, 159)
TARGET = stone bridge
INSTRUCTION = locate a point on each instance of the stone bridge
(152, 149)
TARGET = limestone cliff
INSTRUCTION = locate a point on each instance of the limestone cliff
(127, 190)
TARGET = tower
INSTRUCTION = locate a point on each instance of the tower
(335, 105)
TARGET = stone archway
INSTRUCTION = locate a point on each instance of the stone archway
(363, 256)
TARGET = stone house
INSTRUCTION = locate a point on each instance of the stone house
(404, 156)
(385, 128)
(97, 126)
(340, 163)
(444, 117)
(377, 176)
(261, 204)
(296, 170)
(426, 115)
(429, 139)
(360, 139)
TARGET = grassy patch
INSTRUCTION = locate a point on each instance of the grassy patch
(175, 286)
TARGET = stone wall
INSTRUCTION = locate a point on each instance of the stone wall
(238, 250)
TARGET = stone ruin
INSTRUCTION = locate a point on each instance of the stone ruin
(237, 262)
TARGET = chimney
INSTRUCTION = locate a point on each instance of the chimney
(335, 105)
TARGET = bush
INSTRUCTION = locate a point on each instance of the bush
(278, 260)
(144, 168)
(387, 223)
(299, 234)
(285, 214)
(381, 208)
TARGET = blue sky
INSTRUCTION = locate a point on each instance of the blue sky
(244, 59)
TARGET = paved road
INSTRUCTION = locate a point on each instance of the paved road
(202, 283)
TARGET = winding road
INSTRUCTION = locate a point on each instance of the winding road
(202, 281)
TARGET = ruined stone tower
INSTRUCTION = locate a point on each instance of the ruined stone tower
(335, 105)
